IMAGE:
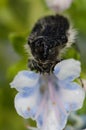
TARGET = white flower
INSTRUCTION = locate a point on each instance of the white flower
(59, 5)
(49, 98)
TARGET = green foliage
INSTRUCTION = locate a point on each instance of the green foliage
(78, 15)
(18, 43)
(17, 18)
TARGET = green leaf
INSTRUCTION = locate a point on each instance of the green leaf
(72, 53)
(20, 10)
(15, 68)
(18, 43)
(82, 48)
(78, 14)
(83, 110)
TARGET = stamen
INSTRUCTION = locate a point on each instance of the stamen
(51, 90)
(56, 101)
(41, 106)
(52, 96)
(60, 102)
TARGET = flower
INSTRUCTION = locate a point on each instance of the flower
(49, 98)
(59, 5)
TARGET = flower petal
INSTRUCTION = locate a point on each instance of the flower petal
(72, 95)
(59, 5)
(25, 79)
(69, 69)
(52, 122)
(26, 104)
(53, 117)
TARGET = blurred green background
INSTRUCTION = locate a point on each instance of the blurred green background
(17, 18)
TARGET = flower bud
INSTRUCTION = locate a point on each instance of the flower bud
(59, 5)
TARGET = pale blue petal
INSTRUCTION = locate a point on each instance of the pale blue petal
(40, 120)
(69, 97)
(24, 80)
(69, 70)
(65, 84)
(26, 103)
(72, 95)
(54, 122)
